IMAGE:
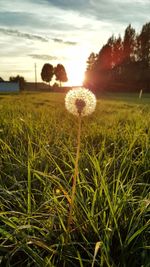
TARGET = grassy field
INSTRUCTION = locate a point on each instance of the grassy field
(111, 216)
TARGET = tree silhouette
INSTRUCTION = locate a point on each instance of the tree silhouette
(98, 67)
(144, 43)
(47, 73)
(122, 64)
(129, 44)
(18, 79)
(91, 61)
(117, 53)
(89, 80)
(60, 73)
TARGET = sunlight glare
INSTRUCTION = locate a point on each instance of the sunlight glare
(75, 72)
(76, 66)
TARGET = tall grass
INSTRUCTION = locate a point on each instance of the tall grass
(110, 223)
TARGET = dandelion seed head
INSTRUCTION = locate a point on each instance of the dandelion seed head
(80, 101)
(80, 104)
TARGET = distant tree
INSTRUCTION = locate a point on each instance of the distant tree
(104, 60)
(55, 85)
(98, 67)
(144, 44)
(19, 79)
(117, 58)
(60, 73)
(117, 53)
(89, 79)
(91, 61)
(1, 79)
(129, 44)
(47, 73)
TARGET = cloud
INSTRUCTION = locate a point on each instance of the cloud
(68, 15)
(17, 33)
(45, 18)
(107, 10)
(21, 19)
(70, 5)
(43, 57)
(57, 40)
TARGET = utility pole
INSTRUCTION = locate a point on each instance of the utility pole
(35, 76)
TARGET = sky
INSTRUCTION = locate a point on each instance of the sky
(35, 32)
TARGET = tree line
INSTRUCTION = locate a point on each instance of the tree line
(18, 78)
(47, 73)
(122, 64)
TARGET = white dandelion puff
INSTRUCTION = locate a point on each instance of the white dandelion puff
(80, 101)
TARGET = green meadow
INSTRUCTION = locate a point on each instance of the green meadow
(111, 215)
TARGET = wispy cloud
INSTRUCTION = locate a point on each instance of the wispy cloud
(57, 40)
(17, 33)
(43, 57)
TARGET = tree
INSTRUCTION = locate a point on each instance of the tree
(47, 73)
(117, 53)
(117, 58)
(1, 79)
(60, 73)
(91, 61)
(55, 85)
(99, 74)
(18, 79)
(89, 73)
(104, 61)
(144, 43)
(98, 67)
(121, 64)
(129, 44)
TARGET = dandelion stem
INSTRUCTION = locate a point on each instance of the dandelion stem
(75, 175)
(29, 193)
(29, 182)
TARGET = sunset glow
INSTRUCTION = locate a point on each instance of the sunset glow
(75, 74)
(60, 32)
(76, 67)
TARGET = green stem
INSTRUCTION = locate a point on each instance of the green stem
(75, 175)
(29, 192)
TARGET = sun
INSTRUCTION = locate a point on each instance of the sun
(75, 73)
(76, 64)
